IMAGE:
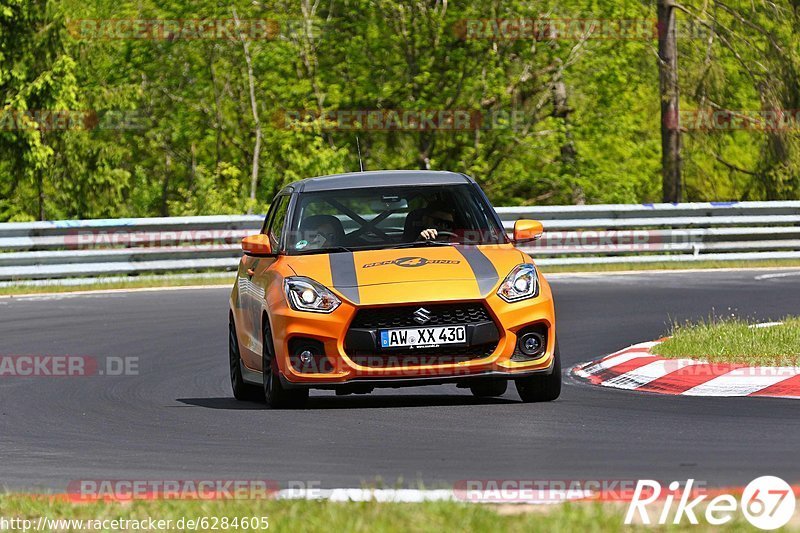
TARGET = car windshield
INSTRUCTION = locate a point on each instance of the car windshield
(391, 217)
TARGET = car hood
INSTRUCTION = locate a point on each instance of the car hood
(428, 273)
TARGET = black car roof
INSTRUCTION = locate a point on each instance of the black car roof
(379, 178)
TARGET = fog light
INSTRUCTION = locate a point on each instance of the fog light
(306, 357)
(531, 344)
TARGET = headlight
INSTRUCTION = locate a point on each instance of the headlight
(521, 283)
(305, 294)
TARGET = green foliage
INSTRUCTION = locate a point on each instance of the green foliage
(172, 131)
(744, 57)
(36, 74)
(357, 517)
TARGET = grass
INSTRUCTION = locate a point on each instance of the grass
(733, 340)
(372, 517)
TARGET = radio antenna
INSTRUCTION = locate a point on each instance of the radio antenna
(360, 162)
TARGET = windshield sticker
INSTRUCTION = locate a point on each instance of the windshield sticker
(301, 244)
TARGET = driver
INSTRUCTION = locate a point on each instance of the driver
(320, 231)
(435, 219)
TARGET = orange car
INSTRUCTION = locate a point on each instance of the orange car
(389, 279)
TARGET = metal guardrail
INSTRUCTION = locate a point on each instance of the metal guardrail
(593, 234)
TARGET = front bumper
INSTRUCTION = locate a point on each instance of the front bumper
(331, 331)
(416, 381)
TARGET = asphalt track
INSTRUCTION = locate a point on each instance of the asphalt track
(177, 420)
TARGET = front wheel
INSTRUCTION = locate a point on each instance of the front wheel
(544, 387)
(275, 394)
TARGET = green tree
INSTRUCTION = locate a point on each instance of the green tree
(37, 79)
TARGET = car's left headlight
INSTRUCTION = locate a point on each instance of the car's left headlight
(305, 294)
(521, 283)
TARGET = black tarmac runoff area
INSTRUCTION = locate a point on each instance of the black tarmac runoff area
(175, 417)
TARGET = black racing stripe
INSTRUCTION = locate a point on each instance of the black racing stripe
(343, 273)
(482, 268)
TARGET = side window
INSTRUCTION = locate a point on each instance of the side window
(268, 218)
(278, 219)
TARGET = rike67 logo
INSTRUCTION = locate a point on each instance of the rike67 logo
(767, 502)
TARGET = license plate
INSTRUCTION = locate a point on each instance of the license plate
(421, 337)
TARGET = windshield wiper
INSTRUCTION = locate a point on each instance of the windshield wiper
(420, 243)
(326, 250)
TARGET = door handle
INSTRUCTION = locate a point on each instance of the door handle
(251, 272)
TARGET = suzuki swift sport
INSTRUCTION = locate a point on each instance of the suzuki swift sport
(389, 279)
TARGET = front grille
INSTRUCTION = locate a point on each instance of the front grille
(403, 316)
(360, 347)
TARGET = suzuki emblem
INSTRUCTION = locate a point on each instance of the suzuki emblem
(422, 316)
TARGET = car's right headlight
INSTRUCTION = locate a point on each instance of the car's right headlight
(521, 283)
(305, 294)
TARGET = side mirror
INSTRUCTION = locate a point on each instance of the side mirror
(527, 230)
(257, 245)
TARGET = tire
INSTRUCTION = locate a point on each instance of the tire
(544, 387)
(241, 390)
(276, 396)
(489, 388)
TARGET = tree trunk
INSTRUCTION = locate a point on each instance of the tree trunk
(193, 168)
(40, 192)
(254, 109)
(569, 153)
(165, 184)
(562, 111)
(668, 88)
